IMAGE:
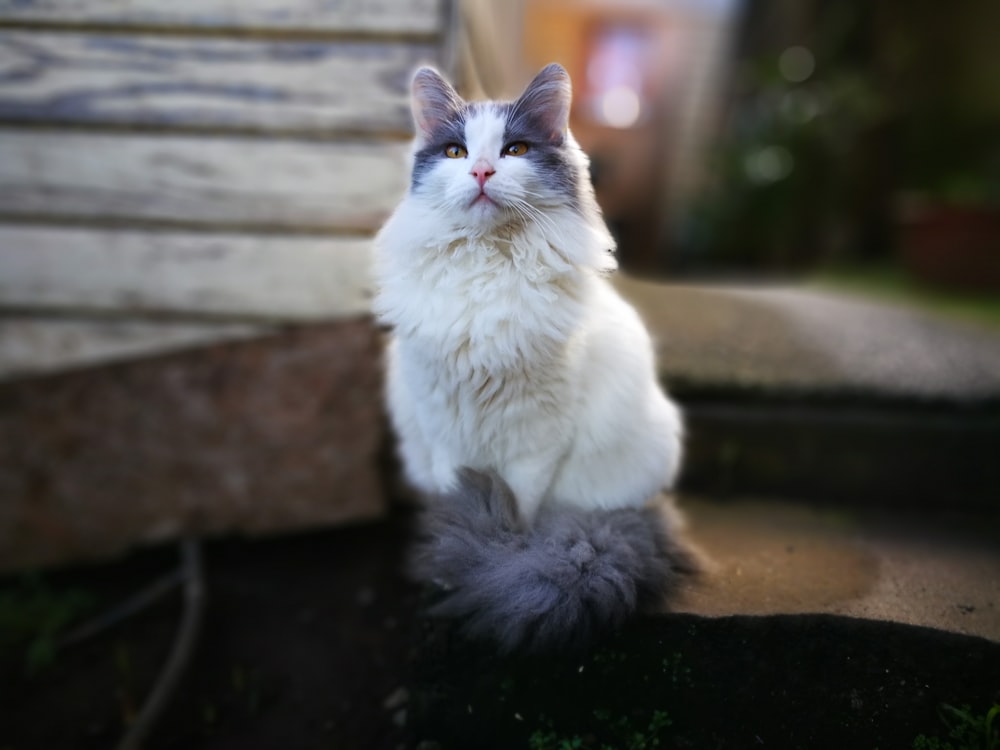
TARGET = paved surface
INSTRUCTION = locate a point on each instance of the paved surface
(788, 338)
(766, 557)
(933, 567)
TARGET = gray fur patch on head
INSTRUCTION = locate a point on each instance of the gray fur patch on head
(439, 115)
(543, 108)
(555, 585)
(550, 154)
(434, 142)
(433, 100)
(539, 117)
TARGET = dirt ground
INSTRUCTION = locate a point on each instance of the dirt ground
(316, 641)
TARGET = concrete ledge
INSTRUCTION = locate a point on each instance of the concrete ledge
(793, 340)
(271, 434)
(843, 452)
(815, 396)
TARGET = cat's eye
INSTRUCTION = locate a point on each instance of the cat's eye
(455, 151)
(518, 148)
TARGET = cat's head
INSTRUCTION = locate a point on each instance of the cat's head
(484, 164)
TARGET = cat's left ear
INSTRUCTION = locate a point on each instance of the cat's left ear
(548, 98)
(434, 101)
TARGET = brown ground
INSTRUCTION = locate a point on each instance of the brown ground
(315, 641)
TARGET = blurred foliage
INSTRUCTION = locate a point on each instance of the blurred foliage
(809, 171)
(32, 615)
(944, 68)
(783, 177)
(953, 160)
(890, 284)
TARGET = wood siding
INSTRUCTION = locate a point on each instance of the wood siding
(342, 17)
(174, 174)
(197, 82)
(270, 184)
(184, 274)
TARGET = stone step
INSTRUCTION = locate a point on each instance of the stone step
(937, 568)
(794, 392)
(844, 453)
(275, 433)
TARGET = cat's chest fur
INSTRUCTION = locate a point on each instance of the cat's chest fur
(480, 308)
(489, 349)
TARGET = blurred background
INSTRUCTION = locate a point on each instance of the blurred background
(775, 137)
(188, 196)
(806, 195)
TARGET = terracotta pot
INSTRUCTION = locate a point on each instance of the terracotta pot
(954, 246)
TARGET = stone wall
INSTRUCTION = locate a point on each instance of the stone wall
(275, 433)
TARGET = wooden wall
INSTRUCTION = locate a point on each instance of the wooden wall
(180, 173)
(188, 192)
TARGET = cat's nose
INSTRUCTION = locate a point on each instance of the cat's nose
(482, 170)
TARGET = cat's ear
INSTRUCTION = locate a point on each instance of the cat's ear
(547, 98)
(434, 101)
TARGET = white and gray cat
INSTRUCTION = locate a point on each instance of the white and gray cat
(521, 386)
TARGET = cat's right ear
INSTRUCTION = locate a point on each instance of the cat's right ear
(434, 101)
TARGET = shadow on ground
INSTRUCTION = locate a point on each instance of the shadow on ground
(315, 641)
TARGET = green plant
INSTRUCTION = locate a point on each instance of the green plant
(789, 177)
(32, 615)
(966, 730)
(621, 732)
(549, 740)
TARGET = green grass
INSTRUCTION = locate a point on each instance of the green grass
(887, 284)
(966, 730)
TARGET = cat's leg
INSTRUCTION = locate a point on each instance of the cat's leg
(412, 444)
(444, 469)
(524, 483)
(429, 463)
(530, 477)
(535, 437)
(623, 455)
(627, 434)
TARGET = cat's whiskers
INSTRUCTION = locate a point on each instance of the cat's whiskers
(544, 199)
(525, 214)
(533, 214)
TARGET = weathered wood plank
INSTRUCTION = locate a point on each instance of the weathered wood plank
(199, 82)
(360, 16)
(235, 275)
(197, 180)
(31, 346)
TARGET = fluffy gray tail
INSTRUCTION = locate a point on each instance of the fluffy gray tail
(557, 584)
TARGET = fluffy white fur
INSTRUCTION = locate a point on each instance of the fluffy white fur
(511, 352)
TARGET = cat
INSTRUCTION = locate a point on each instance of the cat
(521, 386)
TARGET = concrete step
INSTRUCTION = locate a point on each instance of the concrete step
(765, 557)
(795, 392)
(874, 433)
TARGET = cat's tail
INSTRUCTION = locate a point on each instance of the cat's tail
(557, 584)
